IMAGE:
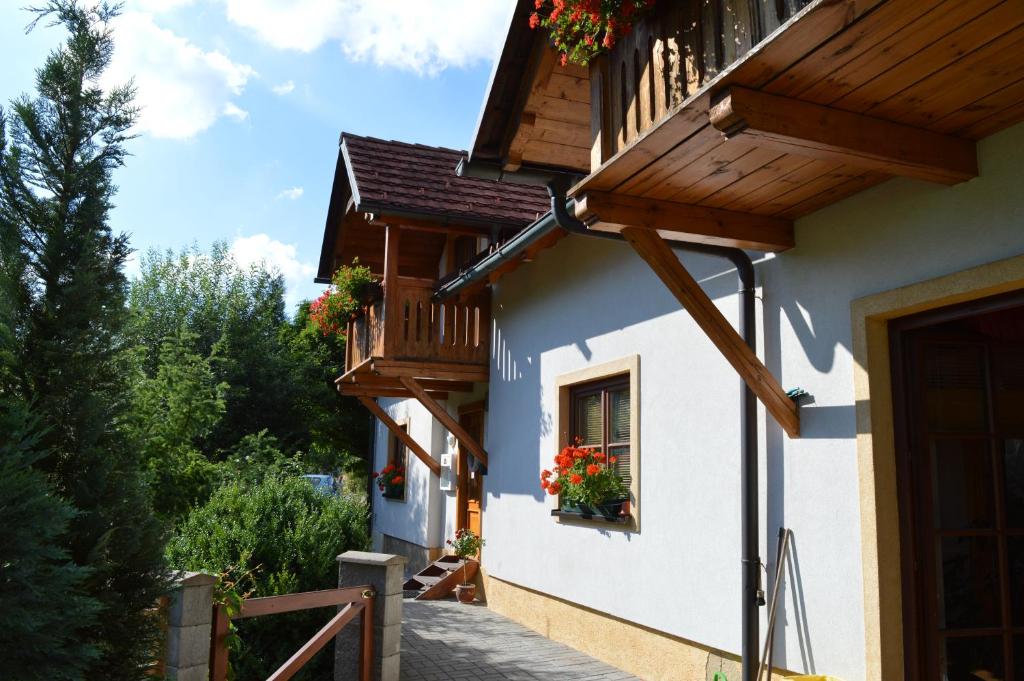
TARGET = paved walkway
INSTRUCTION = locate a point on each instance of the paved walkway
(444, 640)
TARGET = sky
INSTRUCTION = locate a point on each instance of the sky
(243, 102)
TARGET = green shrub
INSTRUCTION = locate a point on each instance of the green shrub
(289, 535)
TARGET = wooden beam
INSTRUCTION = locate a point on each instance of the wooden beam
(443, 225)
(402, 435)
(607, 212)
(817, 131)
(653, 249)
(401, 394)
(442, 415)
(446, 371)
(392, 238)
(370, 381)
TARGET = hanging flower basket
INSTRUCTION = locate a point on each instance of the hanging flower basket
(391, 481)
(583, 29)
(352, 287)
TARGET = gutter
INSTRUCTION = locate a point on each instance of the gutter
(512, 248)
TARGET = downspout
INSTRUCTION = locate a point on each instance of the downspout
(752, 597)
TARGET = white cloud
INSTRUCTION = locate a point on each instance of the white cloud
(182, 89)
(298, 275)
(424, 37)
(234, 111)
(291, 194)
(283, 88)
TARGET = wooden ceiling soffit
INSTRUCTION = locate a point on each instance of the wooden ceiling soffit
(813, 26)
(608, 212)
(660, 257)
(402, 435)
(442, 415)
(816, 131)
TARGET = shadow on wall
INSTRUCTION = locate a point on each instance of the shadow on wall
(539, 309)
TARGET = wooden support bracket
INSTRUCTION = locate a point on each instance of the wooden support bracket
(684, 222)
(653, 249)
(442, 415)
(806, 129)
(405, 437)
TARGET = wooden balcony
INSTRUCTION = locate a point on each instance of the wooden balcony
(668, 57)
(444, 345)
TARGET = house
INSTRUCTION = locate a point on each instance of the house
(782, 275)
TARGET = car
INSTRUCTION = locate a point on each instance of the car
(325, 484)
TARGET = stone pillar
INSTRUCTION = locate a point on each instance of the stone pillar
(189, 618)
(386, 574)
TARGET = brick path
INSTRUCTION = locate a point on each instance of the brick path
(444, 640)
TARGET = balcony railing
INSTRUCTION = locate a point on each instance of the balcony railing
(667, 57)
(421, 330)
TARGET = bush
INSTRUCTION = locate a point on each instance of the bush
(289, 535)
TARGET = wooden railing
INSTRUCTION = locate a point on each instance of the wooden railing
(667, 57)
(420, 329)
(357, 601)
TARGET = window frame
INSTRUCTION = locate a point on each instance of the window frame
(601, 376)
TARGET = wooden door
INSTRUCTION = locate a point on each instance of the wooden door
(961, 470)
(470, 496)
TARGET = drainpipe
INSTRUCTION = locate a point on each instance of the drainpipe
(752, 596)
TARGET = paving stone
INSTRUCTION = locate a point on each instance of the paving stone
(445, 639)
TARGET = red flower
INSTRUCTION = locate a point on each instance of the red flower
(534, 19)
(613, 459)
(598, 456)
(593, 469)
(576, 478)
(554, 488)
(564, 60)
(544, 484)
(545, 474)
(397, 480)
(375, 474)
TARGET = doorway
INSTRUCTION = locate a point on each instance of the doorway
(470, 490)
(959, 409)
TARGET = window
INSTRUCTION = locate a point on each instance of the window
(398, 456)
(600, 405)
(601, 419)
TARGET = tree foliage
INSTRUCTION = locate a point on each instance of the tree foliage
(62, 268)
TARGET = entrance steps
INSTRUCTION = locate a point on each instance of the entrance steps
(440, 578)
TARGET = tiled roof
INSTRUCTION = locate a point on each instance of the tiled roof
(419, 179)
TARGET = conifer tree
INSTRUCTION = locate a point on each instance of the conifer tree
(58, 150)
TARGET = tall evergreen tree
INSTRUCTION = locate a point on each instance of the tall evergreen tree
(39, 640)
(56, 161)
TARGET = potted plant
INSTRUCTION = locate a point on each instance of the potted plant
(391, 481)
(466, 545)
(587, 483)
(352, 287)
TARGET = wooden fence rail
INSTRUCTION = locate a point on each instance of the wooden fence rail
(357, 601)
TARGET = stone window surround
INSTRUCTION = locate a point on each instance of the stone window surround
(630, 365)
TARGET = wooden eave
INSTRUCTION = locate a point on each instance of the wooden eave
(845, 95)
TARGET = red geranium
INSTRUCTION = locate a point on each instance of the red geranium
(391, 481)
(583, 476)
(582, 29)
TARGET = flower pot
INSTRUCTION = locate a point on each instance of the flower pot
(466, 593)
(611, 509)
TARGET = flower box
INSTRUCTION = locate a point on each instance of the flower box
(613, 511)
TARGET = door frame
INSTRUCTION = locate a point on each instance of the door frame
(918, 652)
(462, 459)
(876, 459)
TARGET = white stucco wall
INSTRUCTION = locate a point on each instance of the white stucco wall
(585, 302)
(419, 517)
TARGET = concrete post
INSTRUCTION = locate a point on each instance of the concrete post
(386, 574)
(189, 617)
